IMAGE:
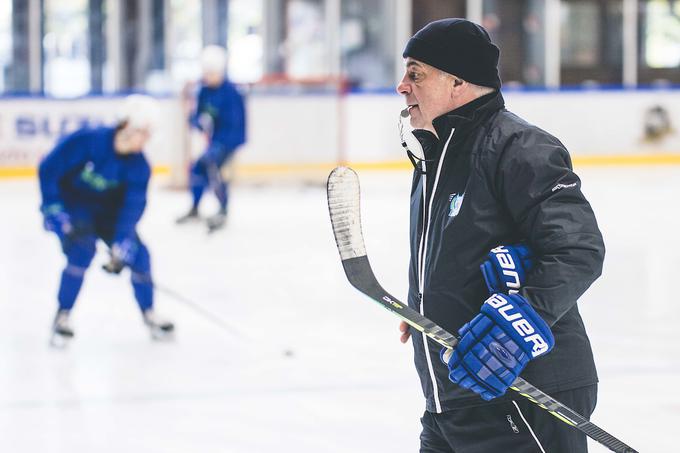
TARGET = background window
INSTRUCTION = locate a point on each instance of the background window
(517, 27)
(591, 42)
(425, 11)
(5, 43)
(306, 48)
(659, 32)
(186, 41)
(367, 43)
(246, 64)
(65, 48)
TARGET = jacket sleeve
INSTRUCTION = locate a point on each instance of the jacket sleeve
(68, 154)
(194, 119)
(543, 196)
(134, 200)
(233, 112)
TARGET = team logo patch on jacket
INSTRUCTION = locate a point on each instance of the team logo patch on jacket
(96, 181)
(455, 202)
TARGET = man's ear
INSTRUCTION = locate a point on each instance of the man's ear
(458, 87)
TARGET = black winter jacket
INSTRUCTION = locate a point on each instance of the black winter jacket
(493, 179)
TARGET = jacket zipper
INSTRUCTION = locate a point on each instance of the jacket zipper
(427, 210)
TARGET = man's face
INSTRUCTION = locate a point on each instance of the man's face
(131, 140)
(428, 93)
(213, 79)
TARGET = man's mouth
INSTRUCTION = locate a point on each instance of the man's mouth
(410, 107)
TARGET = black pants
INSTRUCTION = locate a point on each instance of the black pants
(517, 426)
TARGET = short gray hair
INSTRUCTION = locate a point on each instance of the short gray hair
(478, 89)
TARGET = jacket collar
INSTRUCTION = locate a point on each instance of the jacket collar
(467, 116)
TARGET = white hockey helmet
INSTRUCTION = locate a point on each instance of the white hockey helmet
(138, 111)
(214, 60)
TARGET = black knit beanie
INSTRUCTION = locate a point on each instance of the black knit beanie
(459, 47)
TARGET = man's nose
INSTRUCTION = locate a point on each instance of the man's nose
(403, 88)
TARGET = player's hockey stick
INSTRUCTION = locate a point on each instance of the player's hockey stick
(200, 310)
(344, 207)
(112, 267)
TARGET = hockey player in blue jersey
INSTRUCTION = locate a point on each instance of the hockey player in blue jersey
(93, 185)
(220, 115)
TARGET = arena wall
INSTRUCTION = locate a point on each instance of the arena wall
(289, 132)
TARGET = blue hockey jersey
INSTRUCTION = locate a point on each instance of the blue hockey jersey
(224, 106)
(85, 174)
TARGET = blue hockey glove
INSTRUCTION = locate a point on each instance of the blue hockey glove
(496, 345)
(123, 253)
(505, 270)
(57, 220)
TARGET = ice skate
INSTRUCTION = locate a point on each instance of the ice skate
(62, 332)
(160, 329)
(190, 216)
(217, 221)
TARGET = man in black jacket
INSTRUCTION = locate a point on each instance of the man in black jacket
(486, 178)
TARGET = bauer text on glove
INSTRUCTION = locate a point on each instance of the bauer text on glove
(505, 269)
(496, 345)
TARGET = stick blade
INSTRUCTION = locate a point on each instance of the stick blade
(343, 193)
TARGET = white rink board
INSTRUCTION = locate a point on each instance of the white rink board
(30, 126)
(321, 129)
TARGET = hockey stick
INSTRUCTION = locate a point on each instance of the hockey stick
(202, 312)
(113, 268)
(344, 208)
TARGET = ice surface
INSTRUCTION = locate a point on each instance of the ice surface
(275, 277)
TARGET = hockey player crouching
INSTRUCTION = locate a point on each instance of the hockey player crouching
(93, 186)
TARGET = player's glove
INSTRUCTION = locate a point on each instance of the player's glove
(505, 270)
(57, 220)
(496, 345)
(205, 122)
(122, 253)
